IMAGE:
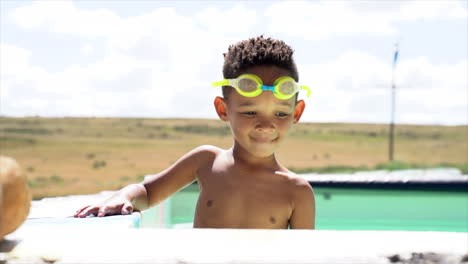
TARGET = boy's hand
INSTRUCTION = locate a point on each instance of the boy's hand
(113, 206)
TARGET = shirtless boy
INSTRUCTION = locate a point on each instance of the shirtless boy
(244, 186)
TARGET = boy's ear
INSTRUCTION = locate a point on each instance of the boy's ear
(221, 107)
(298, 110)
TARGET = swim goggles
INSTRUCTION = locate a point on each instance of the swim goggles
(250, 85)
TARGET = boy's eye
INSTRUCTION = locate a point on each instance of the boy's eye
(249, 113)
(281, 114)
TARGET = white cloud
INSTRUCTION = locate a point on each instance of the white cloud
(356, 86)
(353, 77)
(63, 17)
(238, 19)
(13, 59)
(153, 69)
(323, 20)
(86, 49)
(160, 34)
(437, 90)
(413, 10)
(149, 70)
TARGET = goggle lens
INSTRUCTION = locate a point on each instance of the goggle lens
(287, 88)
(247, 85)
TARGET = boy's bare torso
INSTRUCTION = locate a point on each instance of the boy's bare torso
(235, 194)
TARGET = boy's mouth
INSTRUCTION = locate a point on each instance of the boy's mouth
(264, 139)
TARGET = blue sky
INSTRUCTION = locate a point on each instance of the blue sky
(158, 58)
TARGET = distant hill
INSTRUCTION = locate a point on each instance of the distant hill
(63, 156)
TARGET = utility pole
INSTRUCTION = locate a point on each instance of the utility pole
(392, 120)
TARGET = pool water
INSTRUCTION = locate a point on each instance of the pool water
(347, 209)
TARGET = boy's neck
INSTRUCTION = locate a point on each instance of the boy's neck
(241, 155)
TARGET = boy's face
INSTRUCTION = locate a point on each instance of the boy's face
(259, 124)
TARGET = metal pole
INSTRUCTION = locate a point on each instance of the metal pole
(392, 124)
(392, 119)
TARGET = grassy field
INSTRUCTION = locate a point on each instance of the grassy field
(62, 156)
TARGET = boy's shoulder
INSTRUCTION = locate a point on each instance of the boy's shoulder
(207, 149)
(297, 182)
(205, 152)
(301, 192)
(292, 177)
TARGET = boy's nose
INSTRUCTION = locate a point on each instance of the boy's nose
(265, 127)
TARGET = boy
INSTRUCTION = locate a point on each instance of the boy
(244, 186)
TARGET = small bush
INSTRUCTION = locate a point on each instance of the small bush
(462, 166)
(56, 179)
(41, 181)
(124, 178)
(34, 184)
(396, 165)
(204, 130)
(31, 131)
(98, 164)
(140, 177)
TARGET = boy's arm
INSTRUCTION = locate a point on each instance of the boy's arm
(130, 198)
(138, 197)
(303, 216)
(180, 174)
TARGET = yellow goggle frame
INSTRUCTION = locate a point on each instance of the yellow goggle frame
(250, 85)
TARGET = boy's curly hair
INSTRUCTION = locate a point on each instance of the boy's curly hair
(257, 51)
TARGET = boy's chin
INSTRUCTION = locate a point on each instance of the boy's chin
(262, 152)
(259, 150)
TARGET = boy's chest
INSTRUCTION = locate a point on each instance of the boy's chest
(243, 202)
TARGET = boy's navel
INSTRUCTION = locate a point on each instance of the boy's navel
(272, 220)
(209, 203)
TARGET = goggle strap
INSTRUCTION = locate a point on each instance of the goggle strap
(221, 83)
(303, 87)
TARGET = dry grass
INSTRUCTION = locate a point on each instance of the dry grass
(62, 156)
